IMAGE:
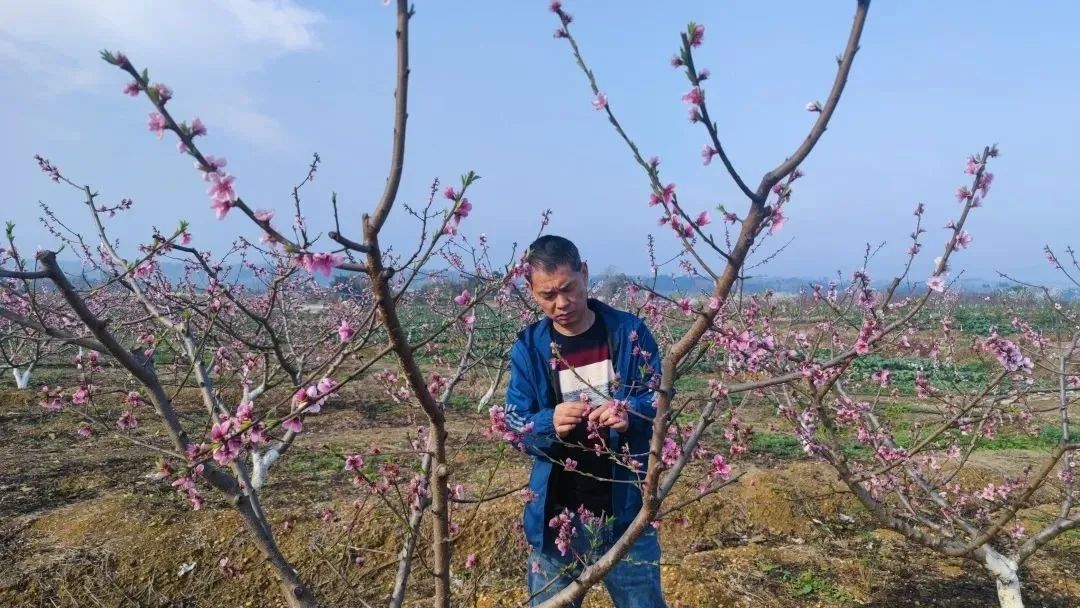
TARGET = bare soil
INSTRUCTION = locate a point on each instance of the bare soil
(82, 524)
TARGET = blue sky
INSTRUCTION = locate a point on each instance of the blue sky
(493, 92)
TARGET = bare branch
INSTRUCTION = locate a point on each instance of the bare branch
(773, 177)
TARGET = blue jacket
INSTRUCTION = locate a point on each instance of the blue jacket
(531, 399)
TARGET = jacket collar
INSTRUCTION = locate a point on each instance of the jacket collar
(545, 328)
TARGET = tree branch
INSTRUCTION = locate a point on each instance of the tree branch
(771, 178)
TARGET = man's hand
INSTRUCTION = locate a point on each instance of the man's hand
(568, 415)
(606, 415)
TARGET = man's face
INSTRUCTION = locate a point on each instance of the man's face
(562, 294)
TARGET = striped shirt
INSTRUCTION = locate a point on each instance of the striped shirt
(584, 368)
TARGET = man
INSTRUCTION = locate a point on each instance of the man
(581, 396)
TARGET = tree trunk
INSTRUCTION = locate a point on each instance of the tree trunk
(440, 509)
(1008, 583)
(405, 557)
(260, 466)
(251, 393)
(293, 589)
(490, 394)
(22, 379)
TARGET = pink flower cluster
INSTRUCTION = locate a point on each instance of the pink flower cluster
(672, 451)
(127, 421)
(82, 394)
(849, 412)
(221, 191)
(923, 389)
(463, 298)
(145, 269)
(694, 98)
(92, 361)
(47, 168)
(866, 334)
(889, 455)
(564, 17)
(998, 492)
(417, 493)
(229, 437)
(186, 486)
(399, 393)
(437, 384)
(717, 390)
(746, 349)
(354, 462)
(157, 124)
(52, 400)
(389, 474)
(498, 427)
(318, 262)
(225, 435)
(1036, 339)
(738, 436)
(345, 331)
(314, 396)
(719, 469)
(563, 524)
(685, 306)
(308, 400)
(883, 377)
(1007, 353)
(461, 210)
(697, 34)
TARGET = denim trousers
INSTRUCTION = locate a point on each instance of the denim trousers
(634, 582)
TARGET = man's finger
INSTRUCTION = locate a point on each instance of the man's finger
(564, 429)
(610, 418)
(598, 412)
(568, 422)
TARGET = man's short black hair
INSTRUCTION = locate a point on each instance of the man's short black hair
(550, 251)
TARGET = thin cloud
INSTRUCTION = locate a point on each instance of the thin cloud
(206, 50)
(254, 126)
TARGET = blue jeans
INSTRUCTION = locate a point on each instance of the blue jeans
(634, 582)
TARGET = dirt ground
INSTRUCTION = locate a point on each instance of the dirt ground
(83, 524)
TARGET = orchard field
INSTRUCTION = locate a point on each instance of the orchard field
(302, 407)
(86, 524)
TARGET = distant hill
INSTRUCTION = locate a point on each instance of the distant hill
(665, 284)
(174, 272)
(669, 284)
